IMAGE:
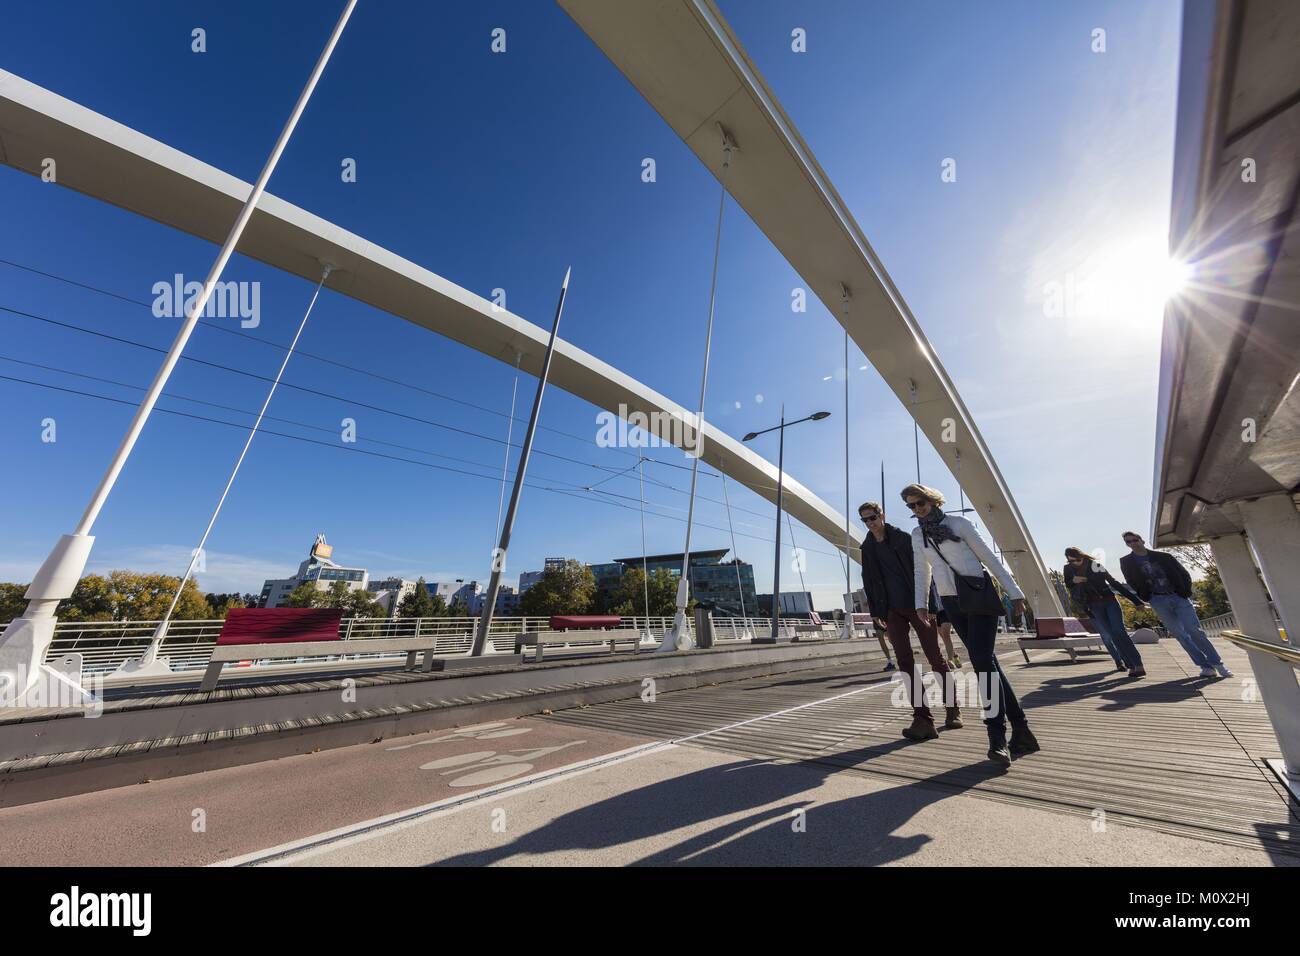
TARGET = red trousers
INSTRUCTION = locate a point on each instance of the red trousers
(897, 626)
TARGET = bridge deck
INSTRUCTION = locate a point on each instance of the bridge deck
(1173, 753)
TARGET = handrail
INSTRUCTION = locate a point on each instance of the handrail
(106, 644)
(1283, 651)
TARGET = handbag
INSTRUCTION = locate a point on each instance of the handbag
(975, 595)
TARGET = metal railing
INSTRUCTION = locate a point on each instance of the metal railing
(1283, 652)
(1215, 626)
(105, 645)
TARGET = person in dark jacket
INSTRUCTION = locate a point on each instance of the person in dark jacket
(1093, 587)
(887, 580)
(1161, 580)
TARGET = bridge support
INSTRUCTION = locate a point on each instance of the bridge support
(26, 639)
(1273, 529)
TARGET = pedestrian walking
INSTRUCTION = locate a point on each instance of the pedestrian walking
(1160, 579)
(948, 549)
(1093, 587)
(887, 579)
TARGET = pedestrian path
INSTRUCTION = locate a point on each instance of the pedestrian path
(1173, 752)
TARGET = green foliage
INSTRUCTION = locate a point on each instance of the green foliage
(629, 599)
(420, 603)
(567, 590)
(1135, 617)
(221, 603)
(127, 596)
(353, 603)
(1210, 596)
(305, 595)
(12, 602)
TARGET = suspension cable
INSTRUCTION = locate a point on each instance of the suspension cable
(683, 590)
(505, 455)
(161, 632)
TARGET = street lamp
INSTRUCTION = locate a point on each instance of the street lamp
(780, 474)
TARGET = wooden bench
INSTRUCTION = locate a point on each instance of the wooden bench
(255, 634)
(291, 650)
(579, 629)
(1061, 633)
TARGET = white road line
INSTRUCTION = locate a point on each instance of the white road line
(358, 832)
(355, 833)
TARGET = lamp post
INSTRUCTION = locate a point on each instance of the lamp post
(780, 475)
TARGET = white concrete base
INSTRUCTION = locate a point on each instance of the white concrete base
(678, 637)
(1144, 635)
(1290, 780)
(22, 648)
(136, 667)
(56, 684)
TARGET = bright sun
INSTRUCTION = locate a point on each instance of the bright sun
(1129, 282)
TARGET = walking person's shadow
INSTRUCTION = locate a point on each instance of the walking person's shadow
(769, 831)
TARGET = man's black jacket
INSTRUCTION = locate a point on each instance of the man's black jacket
(873, 577)
(1178, 577)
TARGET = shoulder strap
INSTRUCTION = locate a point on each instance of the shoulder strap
(934, 546)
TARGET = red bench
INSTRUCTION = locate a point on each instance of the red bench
(1064, 633)
(281, 633)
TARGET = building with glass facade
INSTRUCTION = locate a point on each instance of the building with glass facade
(727, 585)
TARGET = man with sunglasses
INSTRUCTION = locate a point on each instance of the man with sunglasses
(1161, 580)
(888, 575)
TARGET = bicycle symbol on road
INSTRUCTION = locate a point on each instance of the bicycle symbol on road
(485, 766)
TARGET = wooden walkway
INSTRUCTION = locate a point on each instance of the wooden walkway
(1173, 752)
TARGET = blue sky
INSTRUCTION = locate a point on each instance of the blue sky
(501, 170)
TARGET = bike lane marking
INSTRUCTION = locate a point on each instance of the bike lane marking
(348, 835)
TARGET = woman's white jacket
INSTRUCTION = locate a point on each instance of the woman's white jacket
(968, 557)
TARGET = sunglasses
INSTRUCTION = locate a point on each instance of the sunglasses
(1132, 540)
(917, 504)
(1073, 560)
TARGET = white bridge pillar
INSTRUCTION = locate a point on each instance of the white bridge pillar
(1275, 677)
(27, 638)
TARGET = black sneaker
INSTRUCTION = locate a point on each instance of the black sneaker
(1023, 741)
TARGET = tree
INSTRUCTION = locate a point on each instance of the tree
(1210, 595)
(127, 596)
(570, 589)
(629, 598)
(356, 602)
(1197, 557)
(306, 595)
(12, 602)
(221, 603)
(421, 603)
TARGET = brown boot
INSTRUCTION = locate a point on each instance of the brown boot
(953, 721)
(922, 729)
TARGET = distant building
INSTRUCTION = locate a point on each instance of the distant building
(319, 569)
(728, 586)
(528, 578)
(507, 602)
(466, 594)
(792, 603)
(390, 592)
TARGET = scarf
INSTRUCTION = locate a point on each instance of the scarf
(933, 528)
